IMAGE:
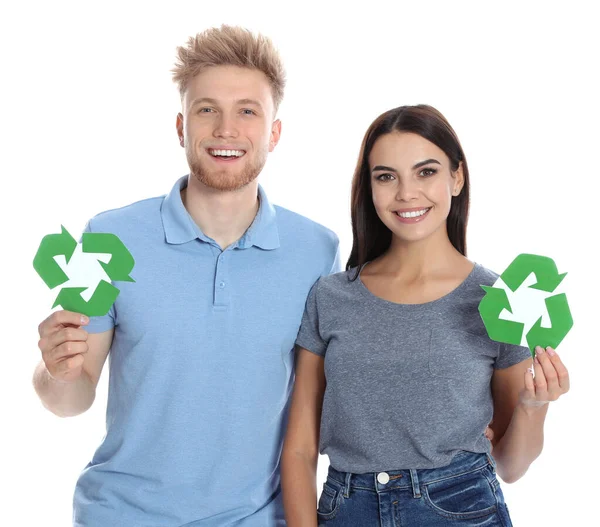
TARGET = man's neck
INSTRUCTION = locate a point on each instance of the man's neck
(223, 216)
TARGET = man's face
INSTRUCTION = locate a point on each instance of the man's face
(227, 126)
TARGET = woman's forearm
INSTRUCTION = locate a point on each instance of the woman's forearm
(298, 480)
(522, 442)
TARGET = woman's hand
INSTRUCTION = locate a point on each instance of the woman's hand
(551, 380)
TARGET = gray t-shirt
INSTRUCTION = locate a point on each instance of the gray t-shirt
(408, 385)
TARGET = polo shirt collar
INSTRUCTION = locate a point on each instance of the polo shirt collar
(180, 227)
(263, 232)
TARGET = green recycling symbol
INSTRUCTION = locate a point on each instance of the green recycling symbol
(496, 300)
(118, 268)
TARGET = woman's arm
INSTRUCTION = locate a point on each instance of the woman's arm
(301, 446)
(520, 407)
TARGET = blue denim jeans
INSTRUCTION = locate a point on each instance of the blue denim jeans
(464, 493)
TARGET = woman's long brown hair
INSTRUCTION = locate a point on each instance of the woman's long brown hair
(371, 238)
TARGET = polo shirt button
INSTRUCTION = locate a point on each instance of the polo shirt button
(383, 478)
(222, 284)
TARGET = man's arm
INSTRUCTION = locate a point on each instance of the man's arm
(72, 361)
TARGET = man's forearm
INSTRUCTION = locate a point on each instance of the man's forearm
(64, 399)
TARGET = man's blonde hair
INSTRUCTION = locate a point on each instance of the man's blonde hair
(230, 46)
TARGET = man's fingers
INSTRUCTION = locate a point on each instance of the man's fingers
(66, 335)
(67, 349)
(61, 318)
(67, 369)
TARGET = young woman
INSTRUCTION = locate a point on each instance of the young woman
(396, 378)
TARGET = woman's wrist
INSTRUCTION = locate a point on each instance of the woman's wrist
(532, 408)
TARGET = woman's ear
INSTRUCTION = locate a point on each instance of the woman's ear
(459, 180)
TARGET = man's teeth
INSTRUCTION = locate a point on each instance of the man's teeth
(227, 153)
(412, 214)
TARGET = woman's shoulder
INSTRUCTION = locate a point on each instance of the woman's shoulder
(337, 282)
(484, 275)
(341, 278)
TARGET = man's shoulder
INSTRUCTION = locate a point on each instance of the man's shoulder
(126, 216)
(288, 220)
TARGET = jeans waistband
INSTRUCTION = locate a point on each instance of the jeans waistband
(462, 463)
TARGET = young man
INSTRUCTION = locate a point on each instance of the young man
(201, 344)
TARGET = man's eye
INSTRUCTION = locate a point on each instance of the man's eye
(247, 111)
(205, 110)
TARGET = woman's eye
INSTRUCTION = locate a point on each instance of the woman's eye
(384, 177)
(427, 172)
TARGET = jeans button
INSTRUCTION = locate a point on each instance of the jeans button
(383, 478)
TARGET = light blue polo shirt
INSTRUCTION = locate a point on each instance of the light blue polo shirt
(201, 367)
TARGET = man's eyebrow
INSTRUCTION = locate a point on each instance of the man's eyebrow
(208, 100)
(202, 100)
(426, 162)
(250, 101)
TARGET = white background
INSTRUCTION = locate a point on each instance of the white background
(88, 123)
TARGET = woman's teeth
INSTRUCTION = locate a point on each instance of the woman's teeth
(412, 214)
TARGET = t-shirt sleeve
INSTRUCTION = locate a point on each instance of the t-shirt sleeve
(105, 322)
(309, 336)
(509, 355)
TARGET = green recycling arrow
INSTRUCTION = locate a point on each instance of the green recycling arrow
(490, 307)
(104, 296)
(118, 268)
(496, 299)
(121, 262)
(53, 245)
(543, 267)
(561, 322)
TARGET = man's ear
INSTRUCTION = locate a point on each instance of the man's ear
(275, 135)
(179, 126)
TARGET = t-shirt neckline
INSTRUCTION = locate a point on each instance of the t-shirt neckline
(382, 301)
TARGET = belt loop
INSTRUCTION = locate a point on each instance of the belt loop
(415, 483)
(347, 485)
(491, 461)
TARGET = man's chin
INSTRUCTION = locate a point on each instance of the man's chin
(224, 182)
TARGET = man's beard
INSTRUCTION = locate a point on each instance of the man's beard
(225, 180)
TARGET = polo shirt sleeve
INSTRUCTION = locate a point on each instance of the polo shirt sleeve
(336, 266)
(309, 336)
(105, 322)
(509, 355)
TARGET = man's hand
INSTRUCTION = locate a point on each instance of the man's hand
(63, 344)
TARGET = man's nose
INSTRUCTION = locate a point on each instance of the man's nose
(225, 127)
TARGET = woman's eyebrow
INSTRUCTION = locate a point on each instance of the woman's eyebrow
(426, 162)
(383, 167)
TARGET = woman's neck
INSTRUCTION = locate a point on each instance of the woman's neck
(419, 259)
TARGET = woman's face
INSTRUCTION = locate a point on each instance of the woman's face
(412, 185)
